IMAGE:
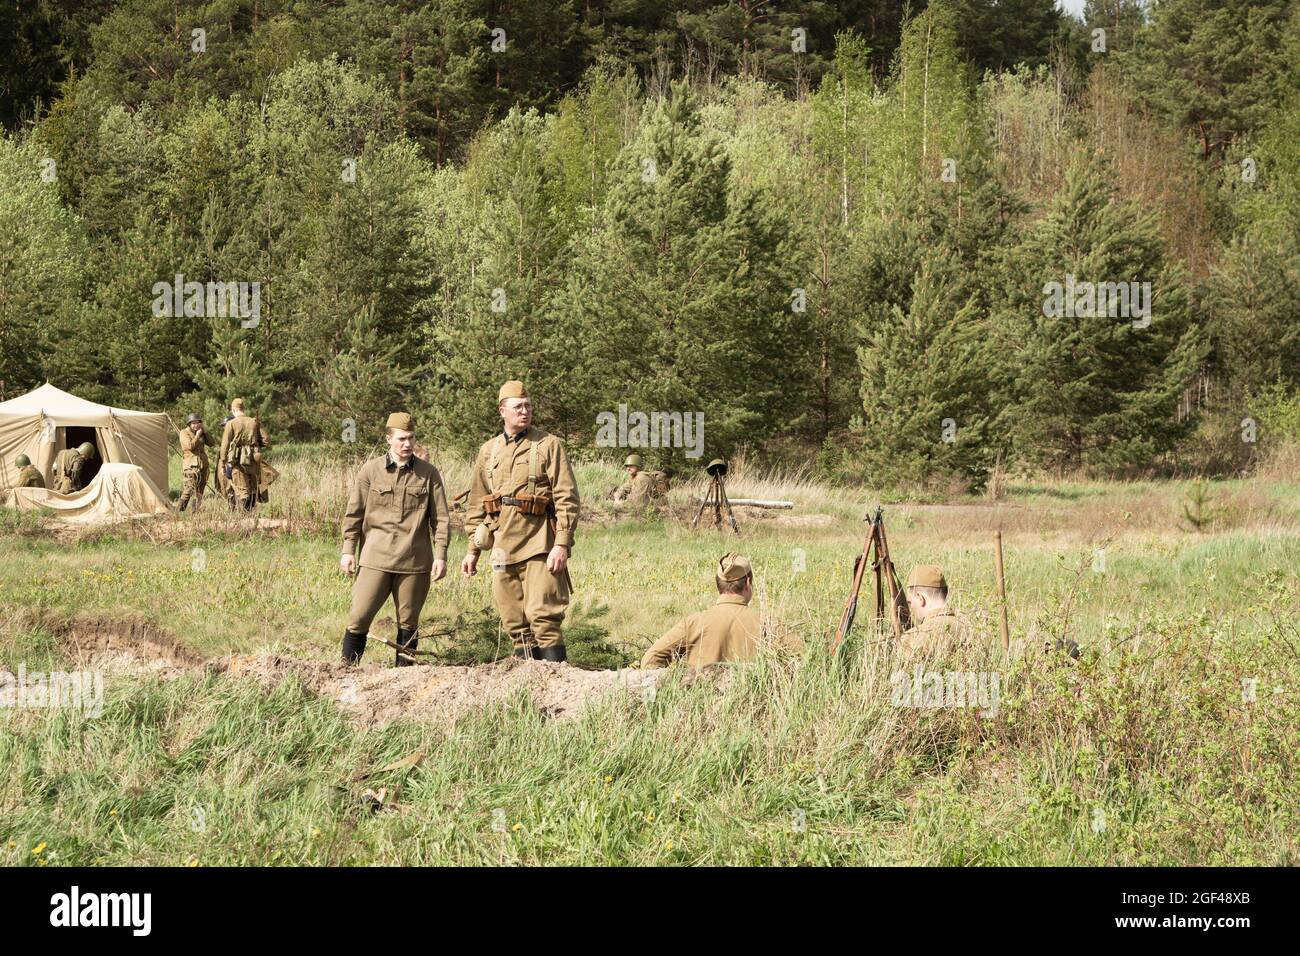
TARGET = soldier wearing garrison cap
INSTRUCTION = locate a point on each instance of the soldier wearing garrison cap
(523, 510)
(937, 628)
(242, 441)
(397, 518)
(639, 487)
(728, 631)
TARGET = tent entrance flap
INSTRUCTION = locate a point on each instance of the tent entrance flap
(74, 435)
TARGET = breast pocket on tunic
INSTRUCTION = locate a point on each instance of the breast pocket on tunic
(381, 498)
(415, 499)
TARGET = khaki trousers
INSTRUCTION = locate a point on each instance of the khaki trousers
(244, 480)
(532, 602)
(371, 589)
(195, 479)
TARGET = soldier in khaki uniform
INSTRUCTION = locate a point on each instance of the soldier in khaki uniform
(68, 465)
(639, 487)
(728, 631)
(195, 441)
(397, 512)
(523, 509)
(28, 476)
(241, 444)
(938, 629)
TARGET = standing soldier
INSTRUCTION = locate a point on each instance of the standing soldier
(28, 477)
(194, 461)
(223, 484)
(523, 509)
(397, 512)
(68, 465)
(639, 487)
(240, 443)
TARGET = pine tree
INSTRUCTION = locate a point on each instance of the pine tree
(42, 268)
(1093, 391)
(681, 300)
(924, 387)
(362, 383)
(498, 247)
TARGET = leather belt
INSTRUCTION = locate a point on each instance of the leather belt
(507, 500)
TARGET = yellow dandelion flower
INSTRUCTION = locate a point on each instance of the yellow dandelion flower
(677, 795)
(517, 827)
(193, 861)
(650, 818)
(113, 812)
(609, 779)
(315, 832)
(39, 848)
(668, 845)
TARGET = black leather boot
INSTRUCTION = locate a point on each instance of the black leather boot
(407, 641)
(354, 645)
(556, 654)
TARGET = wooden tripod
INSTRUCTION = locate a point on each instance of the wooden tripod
(717, 497)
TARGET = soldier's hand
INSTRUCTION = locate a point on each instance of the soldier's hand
(348, 565)
(469, 567)
(439, 570)
(557, 559)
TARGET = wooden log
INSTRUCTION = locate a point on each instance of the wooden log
(755, 502)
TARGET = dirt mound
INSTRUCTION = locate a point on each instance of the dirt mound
(372, 694)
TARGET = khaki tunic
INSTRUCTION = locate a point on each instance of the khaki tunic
(728, 631)
(29, 477)
(67, 471)
(638, 489)
(399, 517)
(240, 432)
(193, 451)
(501, 467)
(938, 634)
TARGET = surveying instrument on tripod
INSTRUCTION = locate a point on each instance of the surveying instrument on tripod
(717, 496)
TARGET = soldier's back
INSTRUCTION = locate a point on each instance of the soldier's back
(728, 631)
(938, 634)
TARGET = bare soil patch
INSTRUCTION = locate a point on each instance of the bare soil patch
(372, 694)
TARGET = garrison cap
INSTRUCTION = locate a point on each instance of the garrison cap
(401, 420)
(511, 389)
(734, 567)
(237, 404)
(927, 576)
(632, 460)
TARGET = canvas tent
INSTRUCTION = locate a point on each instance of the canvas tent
(43, 422)
(117, 491)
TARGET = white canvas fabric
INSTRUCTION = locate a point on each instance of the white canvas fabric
(33, 424)
(117, 492)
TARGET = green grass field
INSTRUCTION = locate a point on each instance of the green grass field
(1147, 750)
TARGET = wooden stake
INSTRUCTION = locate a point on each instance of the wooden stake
(1002, 589)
